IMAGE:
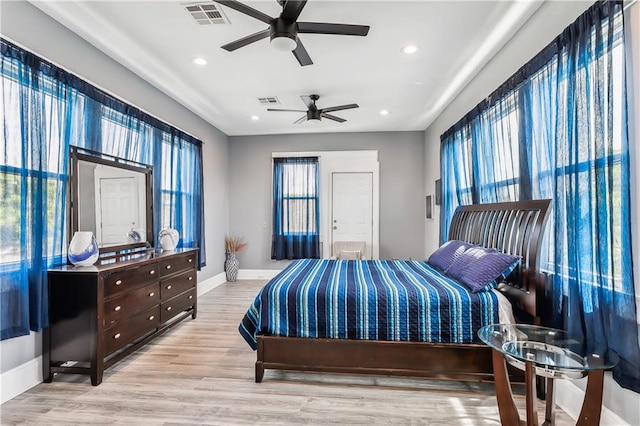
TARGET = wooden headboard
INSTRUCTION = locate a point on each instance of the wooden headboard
(515, 228)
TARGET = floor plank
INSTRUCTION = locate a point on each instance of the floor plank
(201, 372)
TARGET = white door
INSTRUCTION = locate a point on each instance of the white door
(118, 209)
(352, 208)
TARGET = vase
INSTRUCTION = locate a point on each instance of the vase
(83, 249)
(231, 267)
(168, 238)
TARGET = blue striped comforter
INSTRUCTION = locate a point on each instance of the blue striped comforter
(394, 300)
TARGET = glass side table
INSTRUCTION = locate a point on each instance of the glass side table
(549, 353)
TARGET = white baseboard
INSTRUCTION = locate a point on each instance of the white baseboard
(20, 379)
(243, 274)
(257, 274)
(569, 397)
(211, 283)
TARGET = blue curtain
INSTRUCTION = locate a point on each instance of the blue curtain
(178, 173)
(45, 110)
(296, 209)
(558, 129)
(456, 178)
(36, 134)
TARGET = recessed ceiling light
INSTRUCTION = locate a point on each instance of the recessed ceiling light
(410, 49)
(199, 61)
(384, 112)
(255, 118)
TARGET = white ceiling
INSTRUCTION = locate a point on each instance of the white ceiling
(158, 39)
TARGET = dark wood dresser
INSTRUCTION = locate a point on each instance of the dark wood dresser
(99, 314)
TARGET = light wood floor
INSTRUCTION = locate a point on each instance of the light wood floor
(202, 372)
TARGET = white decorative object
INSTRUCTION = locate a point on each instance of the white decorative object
(136, 235)
(168, 238)
(83, 249)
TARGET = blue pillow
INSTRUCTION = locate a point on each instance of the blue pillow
(447, 253)
(481, 268)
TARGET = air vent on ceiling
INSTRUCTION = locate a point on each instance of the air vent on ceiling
(206, 13)
(269, 100)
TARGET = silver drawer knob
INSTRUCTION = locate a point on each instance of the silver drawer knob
(190, 297)
(168, 287)
(190, 260)
(168, 308)
(168, 266)
(190, 278)
(152, 294)
(151, 317)
(118, 282)
(151, 272)
(117, 308)
(117, 336)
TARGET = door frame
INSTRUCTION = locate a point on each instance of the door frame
(364, 161)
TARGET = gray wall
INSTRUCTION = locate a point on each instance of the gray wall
(402, 203)
(27, 26)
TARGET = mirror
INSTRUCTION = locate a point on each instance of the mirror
(112, 198)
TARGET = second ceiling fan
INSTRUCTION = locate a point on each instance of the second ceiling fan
(283, 30)
(313, 113)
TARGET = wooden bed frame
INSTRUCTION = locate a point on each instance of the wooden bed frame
(514, 228)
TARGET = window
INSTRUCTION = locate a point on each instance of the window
(295, 208)
(558, 129)
(45, 110)
(299, 199)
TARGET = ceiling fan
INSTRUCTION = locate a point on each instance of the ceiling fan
(313, 113)
(283, 30)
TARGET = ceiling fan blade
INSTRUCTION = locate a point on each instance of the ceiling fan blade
(286, 110)
(230, 47)
(300, 120)
(333, 117)
(243, 8)
(292, 9)
(307, 101)
(301, 55)
(326, 28)
(340, 108)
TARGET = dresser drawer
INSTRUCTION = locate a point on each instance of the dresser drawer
(125, 332)
(128, 279)
(174, 306)
(177, 264)
(125, 306)
(175, 285)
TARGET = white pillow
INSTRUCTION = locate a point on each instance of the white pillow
(350, 255)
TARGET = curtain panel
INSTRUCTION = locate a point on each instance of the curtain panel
(558, 129)
(46, 110)
(296, 208)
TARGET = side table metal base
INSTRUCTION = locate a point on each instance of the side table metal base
(509, 416)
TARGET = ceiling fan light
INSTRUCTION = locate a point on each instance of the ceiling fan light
(284, 43)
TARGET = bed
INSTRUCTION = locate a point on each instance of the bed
(303, 318)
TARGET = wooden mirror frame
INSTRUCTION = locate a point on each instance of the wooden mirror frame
(78, 154)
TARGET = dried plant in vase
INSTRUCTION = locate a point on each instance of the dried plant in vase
(233, 245)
